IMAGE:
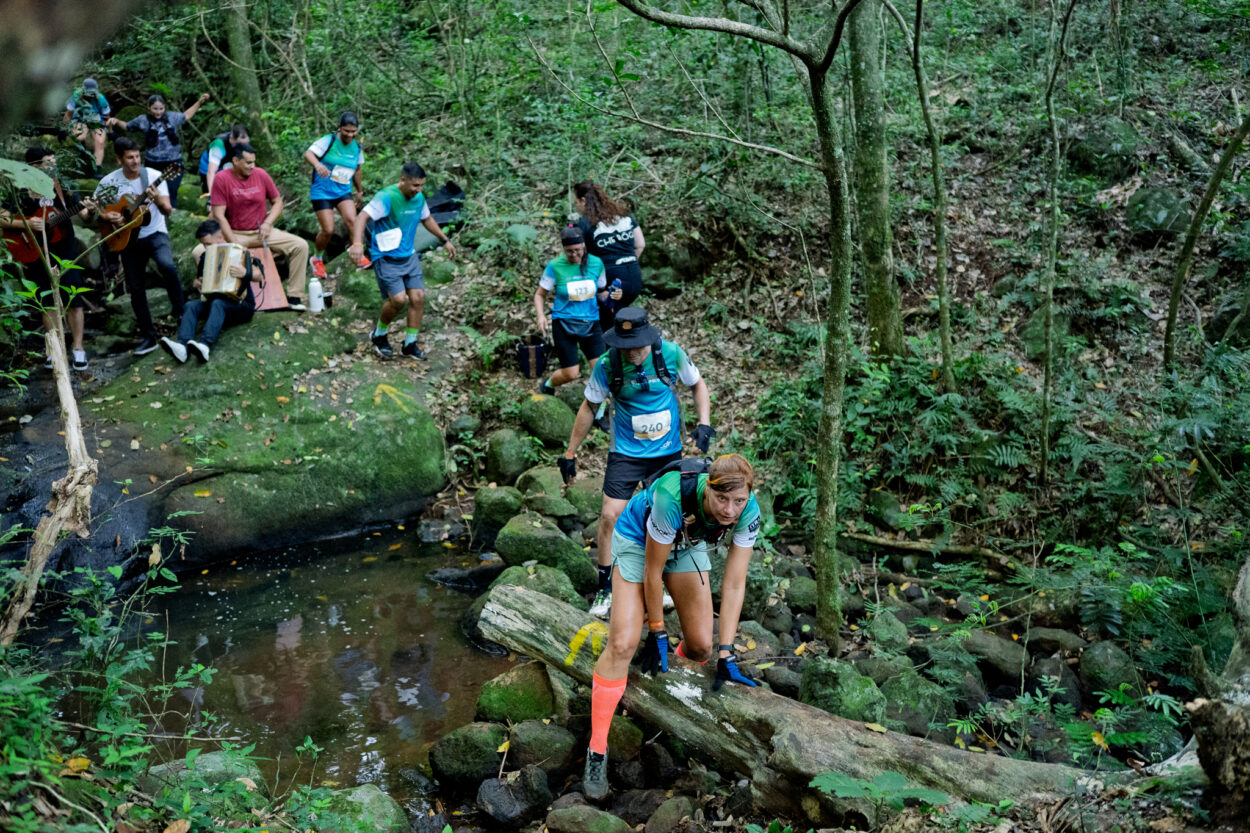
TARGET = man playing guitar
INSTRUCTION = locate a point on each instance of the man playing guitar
(151, 242)
(35, 220)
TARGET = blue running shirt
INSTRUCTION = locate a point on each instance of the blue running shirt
(646, 418)
(394, 222)
(663, 498)
(342, 160)
(574, 287)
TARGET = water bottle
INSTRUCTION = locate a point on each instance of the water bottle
(316, 299)
(616, 284)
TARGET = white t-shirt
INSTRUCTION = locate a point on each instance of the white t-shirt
(118, 186)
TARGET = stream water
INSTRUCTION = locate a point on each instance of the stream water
(353, 647)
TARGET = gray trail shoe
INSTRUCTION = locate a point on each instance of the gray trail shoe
(595, 779)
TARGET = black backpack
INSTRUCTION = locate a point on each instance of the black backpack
(694, 527)
(616, 369)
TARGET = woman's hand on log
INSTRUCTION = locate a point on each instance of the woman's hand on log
(655, 653)
(727, 671)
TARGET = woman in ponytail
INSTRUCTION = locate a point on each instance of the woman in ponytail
(612, 234)
(162, 146)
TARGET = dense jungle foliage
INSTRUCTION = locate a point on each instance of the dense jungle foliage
(1139, 528)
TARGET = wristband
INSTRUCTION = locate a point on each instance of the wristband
(659, 624)
(728, 648)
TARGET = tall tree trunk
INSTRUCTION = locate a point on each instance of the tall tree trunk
(243, 68)
(1191, 238)
(837, 338)
(872, 182)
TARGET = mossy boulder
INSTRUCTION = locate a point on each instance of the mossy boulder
(553, 506)
(888, 634)
(531, 537)
(545, 745)
(586, 493)
(461, 758)
(465, 425)
(523, 693)
(667, 817)
(211, 769)
(881, 669)
(292, 439)
(364, 808)
(801, 596)
(1108, 149)
(835, 686)
(759, 583)
(1105, 666)
(494, 506)
(1154, 213)
(507, 455)
(1050, 640)
(585, 819)
(916, 702)
(752, 633)
(438, 272)
(624, 739)
(572, 394)
(546, 580)
(548, 419)
(541, 479)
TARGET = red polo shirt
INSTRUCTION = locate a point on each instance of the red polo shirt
(244, 199)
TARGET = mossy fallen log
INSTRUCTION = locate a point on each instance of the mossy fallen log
(778, 742)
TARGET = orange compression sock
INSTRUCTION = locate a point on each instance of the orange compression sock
(682, 654)
(605, 695)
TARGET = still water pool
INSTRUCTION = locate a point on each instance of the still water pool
(355, 649)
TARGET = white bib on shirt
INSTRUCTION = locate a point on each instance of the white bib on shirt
(580, 290)
(388, 241)
(652, 426)
(341, 174)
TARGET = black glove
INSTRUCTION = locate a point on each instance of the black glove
(568, 468)
(703, 437)
(655, 653)
(727, 671)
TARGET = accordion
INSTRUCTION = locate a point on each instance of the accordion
(217, 278)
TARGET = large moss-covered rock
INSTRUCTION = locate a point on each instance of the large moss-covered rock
(759, 583)
(624, 739)
(1105, 667)
(546, 745)
(1033, 338)
(1108, 149)
(211, 769)
(507, 454)
(1050, 640)
(461, 758)
(585, 819)
(802, 594)
(523, 693)
(548, 419)
(438, 272)
(546, 580)
(541, 479)
(836, 687)
(364, 808)
(553, 506)
(531, 537)
(586, 493)
(916, 703)
(1156, 212)
(290, 439)
(888, 633)
(494, 506)
(572, 394)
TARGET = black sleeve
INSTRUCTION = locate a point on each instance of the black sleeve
(199, 267)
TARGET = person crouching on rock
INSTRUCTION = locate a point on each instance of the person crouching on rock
(661, 540)
(219, 310)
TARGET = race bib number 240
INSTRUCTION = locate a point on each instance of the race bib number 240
(652, 426)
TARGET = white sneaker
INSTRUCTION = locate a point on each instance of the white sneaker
(200, 348)
(668, 602)
(80, 359)
(602, 604)
(173, 348)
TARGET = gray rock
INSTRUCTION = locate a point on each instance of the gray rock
(888, 633)
(883, 510)
(636, 806)
(366, 808)
(507, 453)
(766, 644)
(545, 745)
(801, 596)
(624, 739)
(1108, 149)
(1154, 213)
(572, 394)
(881, 669)
(464, 757)
(493, 506)
(530, 537)
(586, 493)
(784, 680)
(544, 479)
(778, 618)
(211, 768)
(669, 814)
(585, 819)
(1005, 656)
(1105, 667)
(515, 800)
(1069, 690)
(463, 426)
(659, 764)
(627, 775)
(835, 686)
(548, 419)
(1050, 640)
(432, 532)
(785, 567)
(574, 799)
(916, 702)
(546, 580)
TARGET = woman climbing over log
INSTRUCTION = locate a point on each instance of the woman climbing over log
(661, 541)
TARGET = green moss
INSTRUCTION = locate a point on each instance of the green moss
(523, 693)
(546, 580)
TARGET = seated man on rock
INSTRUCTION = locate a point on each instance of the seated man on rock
(220, 309)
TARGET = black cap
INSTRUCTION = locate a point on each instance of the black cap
(36, 154)
(631, 329)
(571, 236)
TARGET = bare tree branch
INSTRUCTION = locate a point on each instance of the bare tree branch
(665, 127)
(724, 25)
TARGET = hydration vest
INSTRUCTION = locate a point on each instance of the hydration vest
(153, 135)
(694, 527)
(616, 369)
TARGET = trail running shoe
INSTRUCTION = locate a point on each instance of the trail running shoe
(544, 387)
(595, 779)
(412, 351)
(201, 349)
(146, 346)
(295, 303)
(668, 601)
(602, 605)
(80, 359)
(382, 346)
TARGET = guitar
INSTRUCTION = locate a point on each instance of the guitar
(134, 211)
(26, 245)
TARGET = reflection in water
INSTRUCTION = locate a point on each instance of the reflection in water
(356, 650)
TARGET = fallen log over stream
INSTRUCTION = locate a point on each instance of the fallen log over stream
(778, 742)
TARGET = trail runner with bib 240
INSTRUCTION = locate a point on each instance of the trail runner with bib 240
(639, 372)
(662, 539)
(337, 161)
(393, 216)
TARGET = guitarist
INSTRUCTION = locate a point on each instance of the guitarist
(150, 241)
(16, 218)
